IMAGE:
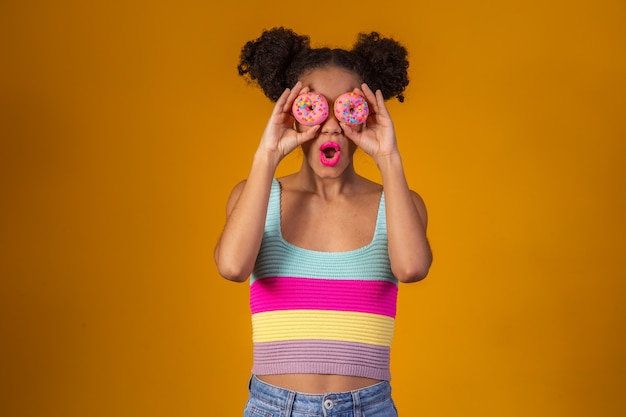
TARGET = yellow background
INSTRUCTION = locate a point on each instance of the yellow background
(124, 125)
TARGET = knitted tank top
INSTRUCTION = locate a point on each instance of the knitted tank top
(322, 312)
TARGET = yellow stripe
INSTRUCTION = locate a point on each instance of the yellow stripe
(346, 326)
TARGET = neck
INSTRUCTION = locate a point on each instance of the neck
(327, 187)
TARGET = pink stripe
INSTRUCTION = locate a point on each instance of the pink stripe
(286, 293)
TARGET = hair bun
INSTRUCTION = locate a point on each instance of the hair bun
(384, 62)
(266, 60)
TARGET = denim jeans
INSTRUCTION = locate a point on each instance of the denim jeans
(269, 401)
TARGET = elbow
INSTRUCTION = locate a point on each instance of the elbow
(232, 273)
(230, 269)
(409, 276)
(414, 272)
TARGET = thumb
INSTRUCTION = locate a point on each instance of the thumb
(350, 132)
(308, 134)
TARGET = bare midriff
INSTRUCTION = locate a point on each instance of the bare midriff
(316, 383)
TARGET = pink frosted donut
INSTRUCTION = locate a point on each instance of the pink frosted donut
(351, 108)
(310, 109)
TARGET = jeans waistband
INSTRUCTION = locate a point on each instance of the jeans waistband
(335, 401)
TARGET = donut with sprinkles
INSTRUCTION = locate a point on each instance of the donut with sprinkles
(310, 109)
(351, 108)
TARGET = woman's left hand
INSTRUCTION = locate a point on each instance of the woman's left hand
(377, 137)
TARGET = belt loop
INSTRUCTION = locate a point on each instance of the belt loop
(356, 402)
(291, 398)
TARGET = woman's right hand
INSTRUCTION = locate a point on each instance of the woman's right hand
(280, 136)
(239, 244)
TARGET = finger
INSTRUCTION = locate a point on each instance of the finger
(308, 134)
(293, 93)
(381, 107)
(379, 97)
(367, 100)
(370, 97)
(367, 90)
(372, 100)
(350, 132)
(281, 103)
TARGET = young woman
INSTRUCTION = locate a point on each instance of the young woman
(324, 247)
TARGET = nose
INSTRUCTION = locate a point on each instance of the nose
(331, 125)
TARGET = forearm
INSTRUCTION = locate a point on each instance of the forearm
(238, 247)
(409, 250)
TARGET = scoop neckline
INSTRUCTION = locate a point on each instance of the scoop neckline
(313, 251)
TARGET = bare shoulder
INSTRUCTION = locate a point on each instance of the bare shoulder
(365, 187)
(370, 186)
(420, 205)
(367, 196)
(417, 199)
(234, 196)
(287, 182)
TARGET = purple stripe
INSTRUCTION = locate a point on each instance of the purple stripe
(321, 357)
(286, 293)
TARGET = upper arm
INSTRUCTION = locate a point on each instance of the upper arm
(234, 197)
(230, 206)
(421, 208)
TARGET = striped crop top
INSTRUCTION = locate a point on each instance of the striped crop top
(322, 312)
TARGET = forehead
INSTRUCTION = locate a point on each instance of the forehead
(331, 82)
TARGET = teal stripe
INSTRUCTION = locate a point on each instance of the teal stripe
(278, 258)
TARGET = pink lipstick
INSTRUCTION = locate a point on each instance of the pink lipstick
(330, 152)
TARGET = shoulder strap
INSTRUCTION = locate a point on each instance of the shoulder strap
(381, 220)
(272, 220)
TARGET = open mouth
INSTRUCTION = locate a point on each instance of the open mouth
(330, 152)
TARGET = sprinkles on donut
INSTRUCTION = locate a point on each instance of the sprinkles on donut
(310, 109)
(351, 108)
